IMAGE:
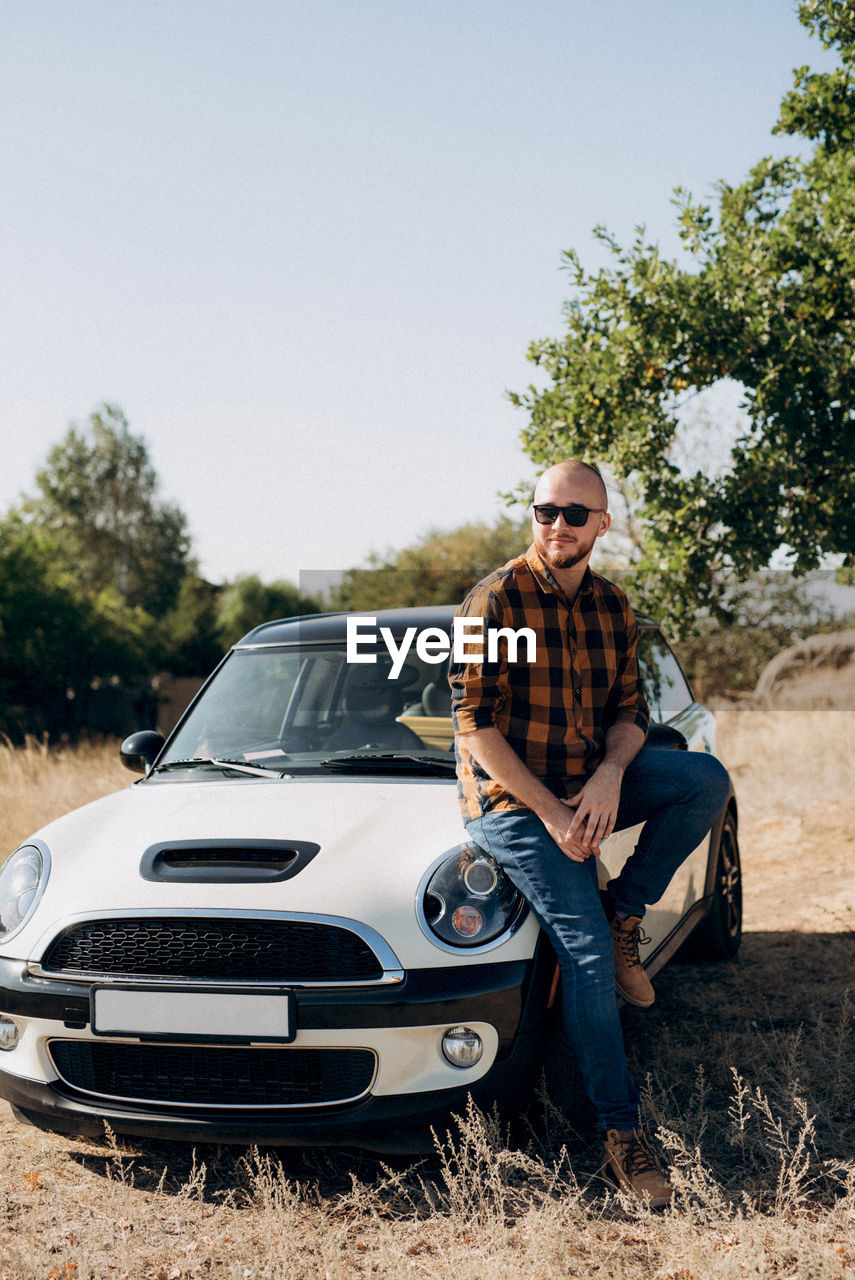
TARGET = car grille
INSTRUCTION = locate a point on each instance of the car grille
(260, 950)
(207, 1076)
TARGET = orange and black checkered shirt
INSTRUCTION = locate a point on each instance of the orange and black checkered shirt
(556, 711)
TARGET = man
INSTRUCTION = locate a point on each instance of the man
(550, 763)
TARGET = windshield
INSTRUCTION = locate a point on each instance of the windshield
(299, 708)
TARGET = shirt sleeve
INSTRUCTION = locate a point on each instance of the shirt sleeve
(627, 703)
(478, 689)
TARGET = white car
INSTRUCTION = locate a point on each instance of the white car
(280, 933)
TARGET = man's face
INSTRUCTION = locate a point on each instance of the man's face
(563, 546)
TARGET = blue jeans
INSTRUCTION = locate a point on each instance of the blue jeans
(678, 795)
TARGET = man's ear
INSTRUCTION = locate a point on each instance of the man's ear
(605, 522)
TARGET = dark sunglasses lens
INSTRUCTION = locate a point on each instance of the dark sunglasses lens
(576, 516)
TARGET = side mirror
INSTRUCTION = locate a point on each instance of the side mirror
(139, 752)
(666, 738)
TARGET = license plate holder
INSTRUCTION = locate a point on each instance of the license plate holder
(248, 1016)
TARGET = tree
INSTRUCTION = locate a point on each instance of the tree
(99, 494)
(439, 569)
(248, 601)
(55, 639)
(188, 635)
(768, 299)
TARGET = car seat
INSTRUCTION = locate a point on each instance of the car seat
(370, 703)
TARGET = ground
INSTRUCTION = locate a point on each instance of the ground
(749, 1077)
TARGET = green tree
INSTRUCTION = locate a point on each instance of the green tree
(43, 624)
(98, 492)
(55, 638)
(767, 298)
(188, 636)
(248, 601)
(438, 569)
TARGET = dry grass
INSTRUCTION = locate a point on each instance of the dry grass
(794, 775)
(749, 1070)
(39, 783)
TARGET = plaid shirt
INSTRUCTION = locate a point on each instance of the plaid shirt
(555, 712)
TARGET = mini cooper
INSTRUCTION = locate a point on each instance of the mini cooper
(279, 934)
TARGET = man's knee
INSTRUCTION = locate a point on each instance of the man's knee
(711, 779)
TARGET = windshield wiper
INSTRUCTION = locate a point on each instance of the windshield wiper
(254, 770)
(390, 762)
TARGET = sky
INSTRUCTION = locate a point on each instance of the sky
(305, 244)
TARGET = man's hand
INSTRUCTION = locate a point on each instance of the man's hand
(558, 825)
(596, 807)
(597, 803)
(578, 834)
(499, 759)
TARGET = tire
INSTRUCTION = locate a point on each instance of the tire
(719, 934)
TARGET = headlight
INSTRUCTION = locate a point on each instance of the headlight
(22, 878)
(468, 900)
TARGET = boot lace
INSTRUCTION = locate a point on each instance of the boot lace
(639, 1158)
(629, 944)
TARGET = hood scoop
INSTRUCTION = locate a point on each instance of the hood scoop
(226, 861)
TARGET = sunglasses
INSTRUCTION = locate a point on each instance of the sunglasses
(576, 515)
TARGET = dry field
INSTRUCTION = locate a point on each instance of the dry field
(749, 1071)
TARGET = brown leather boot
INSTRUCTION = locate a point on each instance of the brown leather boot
(630, 1165)
(632, 983)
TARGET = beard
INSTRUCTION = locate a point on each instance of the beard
(567, 557)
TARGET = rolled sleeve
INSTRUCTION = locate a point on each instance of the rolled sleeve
(479, 690)
(627, 703)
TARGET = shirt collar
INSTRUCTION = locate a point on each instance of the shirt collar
(542, 574)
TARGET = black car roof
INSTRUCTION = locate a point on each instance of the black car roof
(331, 627)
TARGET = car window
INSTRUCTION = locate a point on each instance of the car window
(317, 690)
(305, 703)
(665, 686)
(245, 704)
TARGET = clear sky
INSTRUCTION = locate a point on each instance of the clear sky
(304, 244)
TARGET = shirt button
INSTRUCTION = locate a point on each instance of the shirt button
(578, 693)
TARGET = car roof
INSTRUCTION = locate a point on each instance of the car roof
(332, 627)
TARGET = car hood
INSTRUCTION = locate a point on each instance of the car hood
(377, 837)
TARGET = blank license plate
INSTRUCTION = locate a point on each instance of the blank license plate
(211, 1015)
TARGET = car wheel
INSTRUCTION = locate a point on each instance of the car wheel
(719, 934)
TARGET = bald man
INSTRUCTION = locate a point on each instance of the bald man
(550, 763)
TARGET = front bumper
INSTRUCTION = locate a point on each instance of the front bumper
(413, 1087)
